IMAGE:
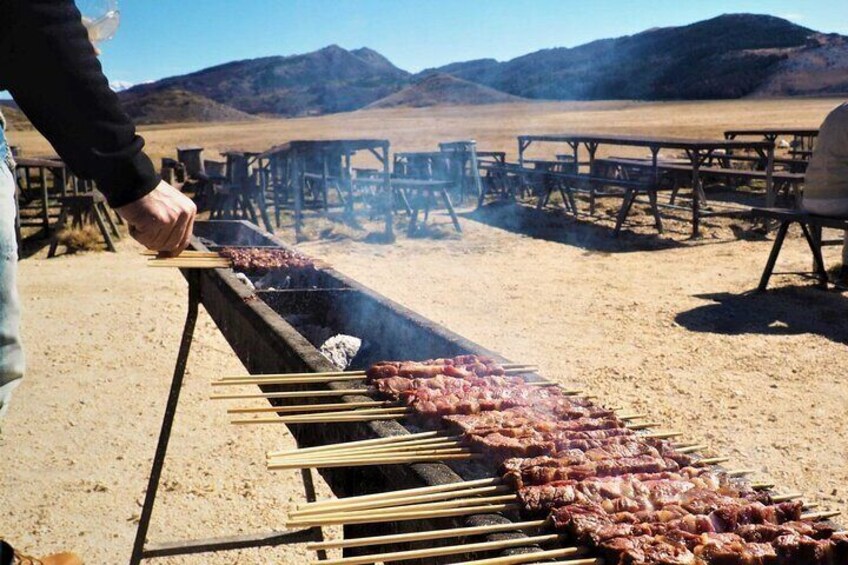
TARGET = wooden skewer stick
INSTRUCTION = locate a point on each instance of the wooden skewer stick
(786, 497)
(406, 513)
(428, 535)
(536, 556)
(690, 448)
(364, 416)
(313, 407)
(366, 459)
(394, 460)
(661, 435)
(452, 441)
(409, 500)
(461, 489)
(820, 515)
(440, 505)
(292, 375)
(379, 450)
(642, 425)
(585, 561)
(364, 442)
(331, 375)
(406, 492)
(741, 473)
(341, 373)
(293, 381)
(187, 252)
(190, 263)
(411, 446)
(293, 394)
(711, 461)
(430, 552)
(762, 486)
(449, 513)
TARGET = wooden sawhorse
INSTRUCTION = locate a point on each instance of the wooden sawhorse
(82, 208)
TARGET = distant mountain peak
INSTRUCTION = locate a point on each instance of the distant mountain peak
(439, 89)
(728, 56)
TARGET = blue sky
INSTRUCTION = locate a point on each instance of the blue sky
(161, 38)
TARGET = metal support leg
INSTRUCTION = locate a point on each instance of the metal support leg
(167, 421)
(140, 550)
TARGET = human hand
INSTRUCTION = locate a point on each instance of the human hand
(162, 220)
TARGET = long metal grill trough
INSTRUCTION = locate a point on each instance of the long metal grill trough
(276, 325)
(266, 329)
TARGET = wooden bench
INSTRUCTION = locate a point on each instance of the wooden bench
(682, 172)
(424, 193)
(811, 226)
(596, 187)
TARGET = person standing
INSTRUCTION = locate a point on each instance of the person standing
(50, 68)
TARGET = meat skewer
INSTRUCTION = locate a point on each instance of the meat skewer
(616, 492)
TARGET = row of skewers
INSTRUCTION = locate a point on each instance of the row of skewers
(572, 469)
(244, 259)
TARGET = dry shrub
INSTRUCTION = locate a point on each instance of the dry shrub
(87, 238)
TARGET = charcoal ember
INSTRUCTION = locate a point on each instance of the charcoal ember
(259, 260)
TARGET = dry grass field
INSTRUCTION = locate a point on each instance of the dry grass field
(663, 326)
(494, 127)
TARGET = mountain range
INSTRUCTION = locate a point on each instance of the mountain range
(730, 56)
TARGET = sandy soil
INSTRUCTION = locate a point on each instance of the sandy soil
(660, 325)
(102, 333)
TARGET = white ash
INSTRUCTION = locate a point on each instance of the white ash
(341, 349)
(247, 282)
(273, 280)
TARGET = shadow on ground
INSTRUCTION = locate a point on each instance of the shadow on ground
(791, 310)
(32, 244)
(555, 225)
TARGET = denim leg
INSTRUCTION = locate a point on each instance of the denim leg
(11, 352)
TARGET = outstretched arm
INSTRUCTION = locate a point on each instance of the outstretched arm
(49, 65)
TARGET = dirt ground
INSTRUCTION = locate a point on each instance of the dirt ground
(659, 325)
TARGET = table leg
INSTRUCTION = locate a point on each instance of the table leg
(451, 211)
(772, 260)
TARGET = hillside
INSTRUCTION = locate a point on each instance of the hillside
(174, 105)
(731, 56)
(15, 119)
(725, 57)
(441, 90)
(325, 81)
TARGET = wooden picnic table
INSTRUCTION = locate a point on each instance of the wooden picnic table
(771, 134)
(803, 138)
(697, 151)
(291, 165)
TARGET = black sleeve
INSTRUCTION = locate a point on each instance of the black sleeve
(49, 66)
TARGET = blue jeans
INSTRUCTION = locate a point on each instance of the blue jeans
(11, 352)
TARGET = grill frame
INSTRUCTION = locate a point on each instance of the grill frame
(266, 343)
